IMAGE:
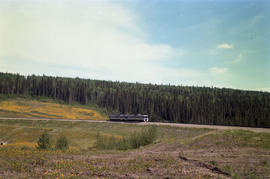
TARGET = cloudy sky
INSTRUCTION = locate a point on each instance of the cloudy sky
(221, 43)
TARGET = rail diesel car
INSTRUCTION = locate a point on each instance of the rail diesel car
(129, 117)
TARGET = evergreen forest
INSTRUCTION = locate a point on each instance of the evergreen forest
(167, 103)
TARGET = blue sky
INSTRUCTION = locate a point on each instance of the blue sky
(195, 43)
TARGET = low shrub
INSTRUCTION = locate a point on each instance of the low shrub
(213, 162)
(44, 141)
(135, 140)
(62, 143)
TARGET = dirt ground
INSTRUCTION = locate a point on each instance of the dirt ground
(178, 152)
(159, 160)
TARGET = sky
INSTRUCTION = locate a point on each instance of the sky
(213, 43)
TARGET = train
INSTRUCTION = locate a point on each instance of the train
(129, 117)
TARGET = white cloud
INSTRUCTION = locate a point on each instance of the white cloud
(218, 70)
(91, 40)
(225, 46)
(263, 89)
(216, 50)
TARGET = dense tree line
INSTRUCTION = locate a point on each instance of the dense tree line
(200, 105)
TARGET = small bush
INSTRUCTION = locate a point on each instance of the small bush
(235, 176)
(135, 140)
(44, 141)
(265, 163)
(227, 168)
(62, 143)
(143, 138)
(106, 142)
(213, 163)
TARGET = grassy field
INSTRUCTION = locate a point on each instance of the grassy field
(47, 108)
(176, 152)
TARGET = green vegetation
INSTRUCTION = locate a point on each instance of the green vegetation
(201, 105)
(265, 163)
(239, 138)
(116, 150)
(44, 141)
(83, 134)
(142, 138)
(62, 143)
(134, 141)
(213, 162)
(84, 159)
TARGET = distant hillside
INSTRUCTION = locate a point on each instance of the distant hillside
(200, 105)
(32, 108)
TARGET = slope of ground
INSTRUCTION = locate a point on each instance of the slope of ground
(177, 152)
(20, 107)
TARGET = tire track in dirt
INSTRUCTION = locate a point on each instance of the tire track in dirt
(203, 135)
(205, 165)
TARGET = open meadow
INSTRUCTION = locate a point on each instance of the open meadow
(47, 108)
(176, 152)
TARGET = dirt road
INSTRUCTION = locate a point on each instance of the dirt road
(254, 129)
